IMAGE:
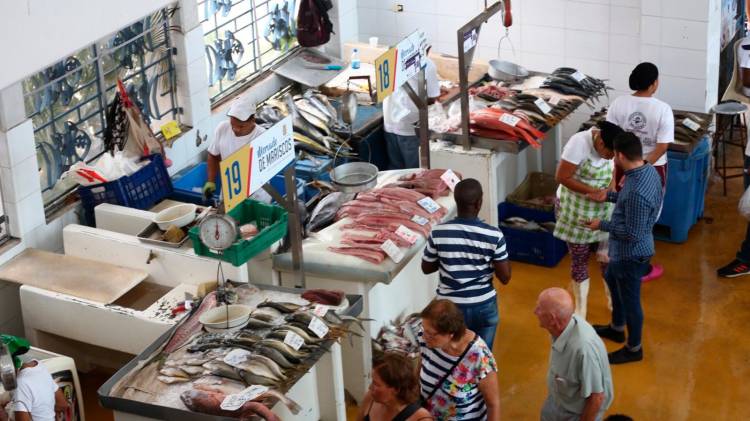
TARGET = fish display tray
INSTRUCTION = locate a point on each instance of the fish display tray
(536, 184)
(272, 224)
(701, 132)
(537, 248)
(159, 412)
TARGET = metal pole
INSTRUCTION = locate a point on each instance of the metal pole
(420, 100)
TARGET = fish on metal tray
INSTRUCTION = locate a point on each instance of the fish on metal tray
(316, 102)
(172, 380)
(210, 403)
(283, 307)
(173, 372)
(287, 351)
(278, 357)
(222, 369)
(254, 323)
(223, 385)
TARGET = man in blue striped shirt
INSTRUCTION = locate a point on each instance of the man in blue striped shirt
(467, 252)
(631, 245)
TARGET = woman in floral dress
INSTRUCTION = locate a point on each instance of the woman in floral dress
(458, 374)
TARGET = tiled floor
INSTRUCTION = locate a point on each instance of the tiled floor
(697, 354)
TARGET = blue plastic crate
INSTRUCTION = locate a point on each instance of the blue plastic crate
(687, 180)
(537, 248)
(278, 183)
(188, 185)
(313, 169)
(141, 190)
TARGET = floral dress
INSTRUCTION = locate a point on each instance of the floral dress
(458, 398)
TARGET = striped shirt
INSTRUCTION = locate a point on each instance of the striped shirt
(466, 250)
(636, 210)
(459, 397)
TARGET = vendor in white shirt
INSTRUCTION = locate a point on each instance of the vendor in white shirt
(652, 121)
(230, 136)
(400, 116)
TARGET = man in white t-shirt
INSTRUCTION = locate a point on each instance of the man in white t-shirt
(652, 120)
(229, 137)
(400, 116)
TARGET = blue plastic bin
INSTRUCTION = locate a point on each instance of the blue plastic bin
(687, 180)
(141, 190)
(278, 183)
(537, 248)
(188, 185)
(317, 169)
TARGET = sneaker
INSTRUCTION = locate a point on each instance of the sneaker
(656, 272)
(624, 355)
(606, 332)
(734, 269)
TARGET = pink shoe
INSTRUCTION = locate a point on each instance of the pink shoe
(657, 271)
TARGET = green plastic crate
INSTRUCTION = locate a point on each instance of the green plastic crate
(272, 224)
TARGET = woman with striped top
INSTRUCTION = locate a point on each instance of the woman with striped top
(458, 374)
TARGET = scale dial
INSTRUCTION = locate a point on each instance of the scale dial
(218, 232)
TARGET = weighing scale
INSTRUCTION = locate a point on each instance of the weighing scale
(7, 369)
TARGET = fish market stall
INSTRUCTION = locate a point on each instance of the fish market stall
(281, 361)
(348, 255)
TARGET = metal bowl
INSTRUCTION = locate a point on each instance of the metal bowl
(506, 71)
(354, 177)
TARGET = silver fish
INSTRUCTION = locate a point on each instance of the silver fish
(173, 372)
(278, 357)
(219, 384)
(293, 406)
(172, 380)
(222, 369)
(326, 209)
(192, 370)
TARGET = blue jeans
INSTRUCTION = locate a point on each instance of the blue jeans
(744, 254)
(624, 281)
(403, 151)
(482, 319)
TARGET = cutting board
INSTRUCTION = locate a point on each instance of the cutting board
(82, 278)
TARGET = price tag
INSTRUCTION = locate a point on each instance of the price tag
(320, 310)
(509, 119)
(690, 124)
(450, 178)
(170, 130)
(236, 357)
(578, 76)
(470, 39)
(429, 205)
(543, 106)
(294, 340)
(235, 401)
(554, 100)
(318, 327)
(406, 234)
(421, 220)
(391, 249)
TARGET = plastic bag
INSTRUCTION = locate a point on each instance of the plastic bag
(107, 168)
(744, 205)
(602, 252)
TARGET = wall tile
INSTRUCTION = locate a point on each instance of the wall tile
(465, 9)
(683, 63)
(619, 73)
(627, 3)
(682, 92)
(25, 215)
(372, 4)
(448, 48)
(651, 7)
(190, 46)
(544, 40)
(386, 22)
(544, 13)
(651, 30)
(419, 6)
(682, 33)
(693, 9)
(408, 22)
(21, 181)
(625, 20)
(589, 45)
(595, 68)
(541, 62)
(188, 14)
(12, 112)
(17, 144)
(587, 16)
(651, 53)
(448, 26)
(349, 26)
(367, 24)
(624, 49)
(493, 31)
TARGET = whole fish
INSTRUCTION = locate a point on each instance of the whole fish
(266, 317)
(259, 324)
(210, 403)
(293, 406)
(316, 102)
(173, 372)
(192, 370)
(285, 308)
(190, 326)
(222, 369)
(278, 357)
(172, 380)
(219, 384)
(325, 210)
(285, 349)
(282, 332)
(251, 377)
(313, 115)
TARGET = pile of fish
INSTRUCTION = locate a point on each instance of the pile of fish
(398, 336)
(497, 123)
(594, 119)
(538, 110)
(222, 364)
(490, 91)
(517, 222)
(427, 182)
(569, 81)
(314, 120)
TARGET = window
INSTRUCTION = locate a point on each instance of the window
(67, 101)
(243, 38)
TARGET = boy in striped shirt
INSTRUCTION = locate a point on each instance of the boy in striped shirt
(468, 252)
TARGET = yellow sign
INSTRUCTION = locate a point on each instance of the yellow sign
(170, 130)
(385, 73)
(234, 172)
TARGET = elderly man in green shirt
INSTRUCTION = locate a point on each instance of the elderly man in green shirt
(579, 380)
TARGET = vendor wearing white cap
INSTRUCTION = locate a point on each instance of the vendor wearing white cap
(230, 136)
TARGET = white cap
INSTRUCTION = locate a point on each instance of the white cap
(242, 109)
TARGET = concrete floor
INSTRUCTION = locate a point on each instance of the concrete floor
(696, 356)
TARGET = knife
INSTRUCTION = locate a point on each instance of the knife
(326, 67)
